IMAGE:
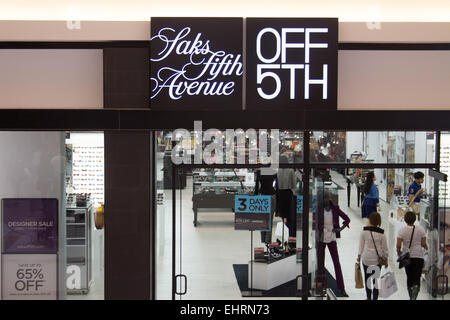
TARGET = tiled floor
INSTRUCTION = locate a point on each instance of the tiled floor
(210, 249)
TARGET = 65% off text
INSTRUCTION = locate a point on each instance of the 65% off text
(29, 278)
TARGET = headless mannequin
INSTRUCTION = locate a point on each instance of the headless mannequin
(327, 238)
(265, 182)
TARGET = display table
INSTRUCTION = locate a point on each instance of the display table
(273, 274)
(218, 189)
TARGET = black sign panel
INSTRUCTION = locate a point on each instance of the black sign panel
(251, 221)
(196, 63)
(291, 63)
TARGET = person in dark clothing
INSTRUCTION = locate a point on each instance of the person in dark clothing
(412, 239)
(371, 198)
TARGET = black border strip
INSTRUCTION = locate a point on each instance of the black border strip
(371, 46)
(112, 119)
(378, 46)
(74, 44)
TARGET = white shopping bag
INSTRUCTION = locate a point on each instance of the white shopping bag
(427, 262)
(387, 284)
(279, 230)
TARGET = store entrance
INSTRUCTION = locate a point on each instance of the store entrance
(431, 215)
(436, 220)
(219, 253)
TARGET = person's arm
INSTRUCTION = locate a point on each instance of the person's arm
(384, 246)
(294, 179)
(345, 217)
(376, 193)
(361, 246)
(424, 243)
(411, 198)
(399, 246)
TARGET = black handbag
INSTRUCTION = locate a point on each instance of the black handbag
(405, 259)
(382, 261)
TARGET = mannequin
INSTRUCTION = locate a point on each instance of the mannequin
(287, 182)
(329, 230)
(266, 184)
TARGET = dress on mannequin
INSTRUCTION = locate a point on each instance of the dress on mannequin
(266, 182)
(287, 182)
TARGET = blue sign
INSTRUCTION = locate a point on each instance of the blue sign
(252, 204)
(252, 213)
(300, 204)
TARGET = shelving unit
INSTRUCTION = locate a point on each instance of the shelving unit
(88, 171)
(79, 244)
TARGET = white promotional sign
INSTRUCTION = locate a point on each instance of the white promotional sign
(29, 277)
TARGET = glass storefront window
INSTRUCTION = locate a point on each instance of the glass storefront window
(52, 195)
(233, 146)
(379, 147)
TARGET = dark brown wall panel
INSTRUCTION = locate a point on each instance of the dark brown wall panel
(127, 215)
(126, 77)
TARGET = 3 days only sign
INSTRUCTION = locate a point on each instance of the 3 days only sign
(252, 213)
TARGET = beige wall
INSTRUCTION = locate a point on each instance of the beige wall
(51, 79)
(139, 10)
(367, 79)
(394, 80)
(140, 30)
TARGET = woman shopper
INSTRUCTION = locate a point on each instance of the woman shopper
(413, 240)
(372, 247)
(371, 198)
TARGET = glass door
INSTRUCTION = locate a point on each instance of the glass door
(436, 219)
(235, 237)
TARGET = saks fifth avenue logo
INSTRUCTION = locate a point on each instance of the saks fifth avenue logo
(203, 71)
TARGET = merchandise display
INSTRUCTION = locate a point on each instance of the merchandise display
(216, 188)
(444, 188)
(328, 146)
(88, 171)
(84, 176)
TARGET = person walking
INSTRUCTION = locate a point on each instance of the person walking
(371, 198)
(416, 193)
(412, 238)
(372, 247)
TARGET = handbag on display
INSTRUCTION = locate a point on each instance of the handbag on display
(381, 260)
(387, 285)
(359, 284)
(405, 259)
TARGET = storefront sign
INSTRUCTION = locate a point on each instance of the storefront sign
(196, 63)
(291, 63)
(252, 213)
(29, 226)
(29, 276)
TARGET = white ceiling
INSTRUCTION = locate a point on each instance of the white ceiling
(141, 10)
